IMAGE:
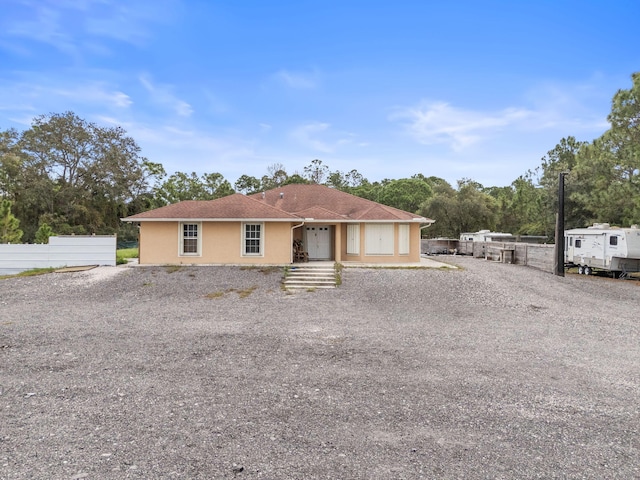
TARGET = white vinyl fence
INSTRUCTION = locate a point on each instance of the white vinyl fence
(61, 251)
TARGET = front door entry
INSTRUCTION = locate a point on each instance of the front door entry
(319, 242)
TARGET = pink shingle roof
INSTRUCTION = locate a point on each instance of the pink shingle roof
(303, 198)
(287, 203)
(236, 206)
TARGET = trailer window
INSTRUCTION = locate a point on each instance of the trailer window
(571, 241)
(578, 243)
(613, 240)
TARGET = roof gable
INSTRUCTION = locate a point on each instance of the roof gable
(318, 213)
(379, 212)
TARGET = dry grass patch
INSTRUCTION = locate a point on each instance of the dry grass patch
(268, 269)
(173, 268)
(244, 293)
(213, 295)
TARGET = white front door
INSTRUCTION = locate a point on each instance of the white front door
(569, 249)
(611, 247)
(319, 242)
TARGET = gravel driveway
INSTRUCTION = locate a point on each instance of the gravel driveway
(488, 372)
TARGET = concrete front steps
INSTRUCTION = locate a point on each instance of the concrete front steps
(309, 276)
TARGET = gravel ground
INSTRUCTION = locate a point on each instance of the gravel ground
(488, 372)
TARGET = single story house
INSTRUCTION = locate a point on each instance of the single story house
(265, 228)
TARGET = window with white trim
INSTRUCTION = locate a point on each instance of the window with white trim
(190, 239)
(353, 239)
(378, 239)
(252, 239)
(403, 238)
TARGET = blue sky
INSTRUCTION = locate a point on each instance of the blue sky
(466, 89)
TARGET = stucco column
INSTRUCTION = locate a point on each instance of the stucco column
(337, 243)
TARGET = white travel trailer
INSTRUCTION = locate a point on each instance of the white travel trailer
(603, 247)
(487, 236)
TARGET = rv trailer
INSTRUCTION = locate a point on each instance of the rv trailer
(487, 236)
(602, 247)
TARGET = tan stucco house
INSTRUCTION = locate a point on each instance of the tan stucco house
(262, 229)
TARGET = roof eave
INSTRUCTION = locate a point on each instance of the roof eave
(292, 219)
(209, 219)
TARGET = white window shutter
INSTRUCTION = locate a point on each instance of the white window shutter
(403, 239)
(353, 239)
(379, 239)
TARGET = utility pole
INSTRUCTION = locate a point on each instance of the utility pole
(559, 247)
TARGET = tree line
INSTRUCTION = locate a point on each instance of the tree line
(65, 175)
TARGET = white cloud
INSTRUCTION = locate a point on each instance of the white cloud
(322, 138)
(297, 80)
(183, 108)
(95, 94)
(127, 21)
(22, 98)
(180, 148)
(570, 107)
(307, 135)
(161, 94)
(43, 25)
(77, 27)
(121, 99)
(439, 122)
(548, 109)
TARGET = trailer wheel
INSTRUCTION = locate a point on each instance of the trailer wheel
(580, 270)
(588, 271)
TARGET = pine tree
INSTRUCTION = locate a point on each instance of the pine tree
(9, 231)
(43, 233)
